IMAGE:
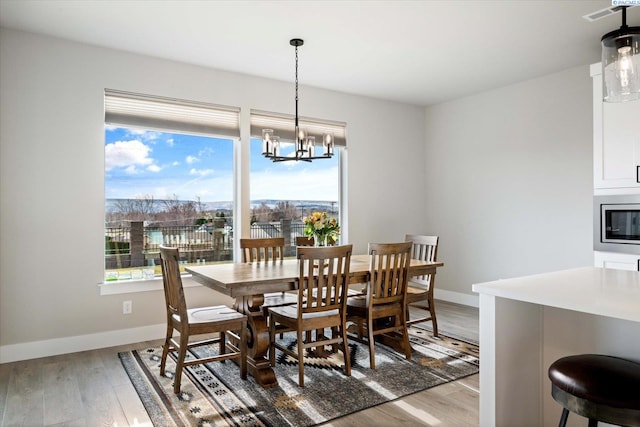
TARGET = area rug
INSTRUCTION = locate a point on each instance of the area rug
(214, 395)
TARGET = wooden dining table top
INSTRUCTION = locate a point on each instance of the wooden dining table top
(238, 279)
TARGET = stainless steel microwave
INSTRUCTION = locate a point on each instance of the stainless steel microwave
(616, 223)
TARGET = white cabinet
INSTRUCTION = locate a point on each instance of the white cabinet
(616, 140)
(617, 261)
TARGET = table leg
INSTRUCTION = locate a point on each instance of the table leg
(258, 340)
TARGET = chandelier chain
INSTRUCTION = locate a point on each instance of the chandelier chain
(296, 85)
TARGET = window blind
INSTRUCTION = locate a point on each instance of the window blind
(283, 126)
(168, 114)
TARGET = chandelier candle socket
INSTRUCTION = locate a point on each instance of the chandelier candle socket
(304, 144)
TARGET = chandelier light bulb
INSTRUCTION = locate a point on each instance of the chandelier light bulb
(311, 141)
(624, 66)
(327, 142)
(267, 143)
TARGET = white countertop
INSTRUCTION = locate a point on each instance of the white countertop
(600, 291)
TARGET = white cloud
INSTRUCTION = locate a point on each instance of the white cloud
(170, 142)
(131, 170)
(146, 135)
(176, 163)
(154, 168)
(126, 154)
(201, 172)
(192, 159)
(205, 152)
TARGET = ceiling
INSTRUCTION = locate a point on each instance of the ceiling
(417, 52)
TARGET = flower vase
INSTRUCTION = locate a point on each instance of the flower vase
(319, 241)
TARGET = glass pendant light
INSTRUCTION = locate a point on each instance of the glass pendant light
(621, 63)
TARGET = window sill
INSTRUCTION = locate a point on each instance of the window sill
(144, 285)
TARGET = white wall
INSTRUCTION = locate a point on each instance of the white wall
(509, 180)
(52, 180)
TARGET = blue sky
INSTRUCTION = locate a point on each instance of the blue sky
(140, 163)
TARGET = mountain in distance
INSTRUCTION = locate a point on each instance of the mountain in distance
(111, 205)
(304, 205)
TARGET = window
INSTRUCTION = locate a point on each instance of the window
(283, 193)
(168, 180)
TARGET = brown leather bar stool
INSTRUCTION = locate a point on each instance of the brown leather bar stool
(598, 387)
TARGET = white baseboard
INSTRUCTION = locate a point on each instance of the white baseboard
(52, 347)
(456, 297)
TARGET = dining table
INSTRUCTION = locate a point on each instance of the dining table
(249, 282)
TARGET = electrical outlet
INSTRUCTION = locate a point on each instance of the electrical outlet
(127, 307)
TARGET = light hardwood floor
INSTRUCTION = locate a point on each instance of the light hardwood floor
(91, 388)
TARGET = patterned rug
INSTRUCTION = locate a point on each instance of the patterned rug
(214, 395)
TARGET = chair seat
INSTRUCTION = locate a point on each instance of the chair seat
(416, 293)
(360, 302)
(356, 292)
(218, 313)
(279, 298)
(357, 301)
(357, 307)
(416, 289)
(599, 379)
(291, 311)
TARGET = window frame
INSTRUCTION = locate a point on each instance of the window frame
(241, 195)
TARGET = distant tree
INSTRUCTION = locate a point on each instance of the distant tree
(178, 212)
(284, 210)
(138, 209)
(169, 212)
(261, 213)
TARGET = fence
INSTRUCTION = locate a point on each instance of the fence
(136, 246)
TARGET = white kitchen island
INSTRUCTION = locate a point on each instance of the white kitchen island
(527, 323)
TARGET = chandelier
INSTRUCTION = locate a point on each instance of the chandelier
(305, 145)
(621, 62)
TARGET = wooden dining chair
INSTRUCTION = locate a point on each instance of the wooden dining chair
(310, 241)
(262, 250)
(420, 288)
(265, 251)
(224, 321)
(382, 309)
(304, 241)
(322, 289)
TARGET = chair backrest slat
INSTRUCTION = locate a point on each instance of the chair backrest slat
(323, 278)
(389, 269)
(425, 248)
(262, 250)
